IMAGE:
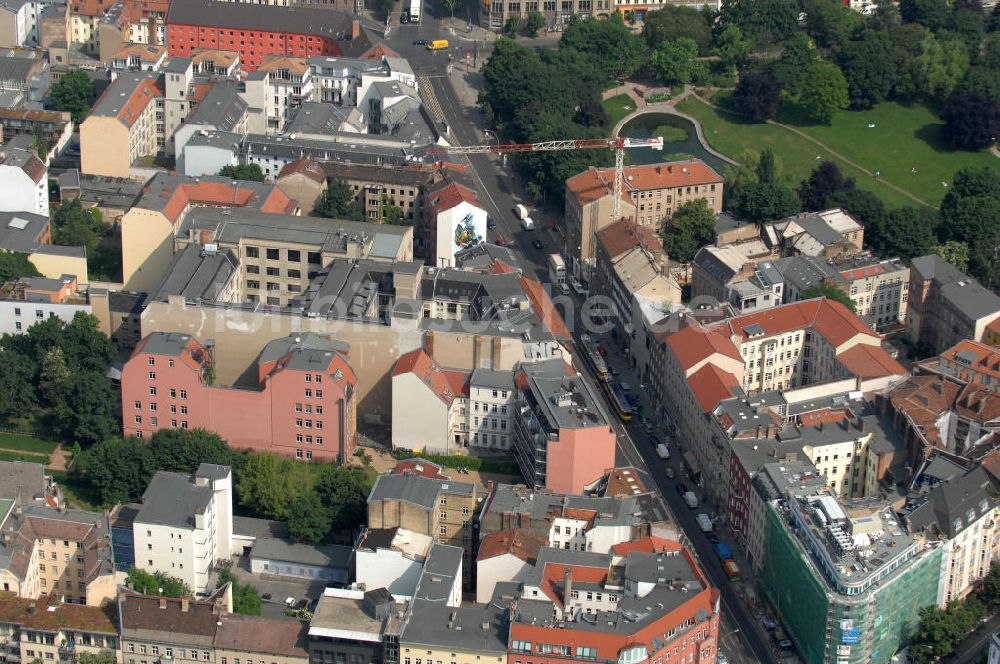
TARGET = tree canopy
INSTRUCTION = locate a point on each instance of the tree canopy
(74, 93)
(831, 292)
(614, 50)
(824, 182)
(758, 96)
(248, 172)
(339, 202)
(690, 228)
(824, 92)
(14, 265)
(672, 22)
(156, 583)
(765, 22)
(246, 600)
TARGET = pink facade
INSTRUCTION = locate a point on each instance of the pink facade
(579, 457)
(304, 406)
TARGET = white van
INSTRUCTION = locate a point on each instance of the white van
(528, 224)
(520, 211)
(662, 451)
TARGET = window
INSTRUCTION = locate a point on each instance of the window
(152, 375)
(137, 405)
(273, 272)
(152, 361)
(253, 252)
(294, 256)
(272, 254)
(184, 394)
(138, 419)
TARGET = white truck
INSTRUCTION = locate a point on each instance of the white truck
(704, 523)
(691, 499)
(662, 451)
(415, 11)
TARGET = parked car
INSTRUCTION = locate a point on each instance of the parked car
(625, 387)
(266, 597)
(785, 644)
(501, 242)
(563, 288)
(490, 223)
(537, 244)
(769, 623)
(713, 538)
(289, 602)
(720, 658)
(669, 472)
(303, 603)
(647, 426)
(420, 42)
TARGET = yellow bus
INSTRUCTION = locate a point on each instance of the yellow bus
(437, 45)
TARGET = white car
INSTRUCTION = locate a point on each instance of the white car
(720, 658)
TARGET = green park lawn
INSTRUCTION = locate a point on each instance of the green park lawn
(903, 137)
(12, 441)
(618, 107)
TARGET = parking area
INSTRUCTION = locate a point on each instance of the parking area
(278, 587)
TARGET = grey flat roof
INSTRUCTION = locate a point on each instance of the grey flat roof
(437, 625)
(222, 107)
(259, 528)
(442, 569)
(415, 489)
(119, 93)
(565, 400)
(21, 480)
(241, 16)
(492, 378)
(173, 499)
(197, 276)
(322, 555)
(19, 230)
(108, 191)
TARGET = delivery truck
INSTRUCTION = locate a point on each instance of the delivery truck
(722, 550)
(691, 499)
(731, 569)
(704, 523)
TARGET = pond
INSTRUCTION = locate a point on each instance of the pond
(679, 141)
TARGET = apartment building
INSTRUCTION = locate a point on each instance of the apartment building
(631, 264)
(102, 27)
(53, 552)
(150, 225)
(222, 109)
(121, 126)
(563, 439)
(966, 362)
(19, 23)
(456, 221)
(303, 404)
(827, 234)
(141, 57)
(49, 630)
(588, 606)
(715, 270)
(404, 187)
(272, 640)
(430, 405)
(256, 30)
(961, 513)
(291, 83)
(358, 625)
(652, 193)
(55, 126)
(180, 629)
(304, 181)
(443, 510)
(494, 15)
(34, 299)
(185, 524)
(946, 306)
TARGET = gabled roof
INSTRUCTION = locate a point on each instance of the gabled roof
(829, 318)
(626, 235)
(518, 543)
(306, 167)
(710, 385)
(865, 361)
(445, 384)
(695, 344)
(450, 196)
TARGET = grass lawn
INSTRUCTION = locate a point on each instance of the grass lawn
(78, 493)
(24, 456)
(618, 107)
(903, 137)
(13, 441)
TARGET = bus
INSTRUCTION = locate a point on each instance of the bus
(557, 269)
(618, 400)
(414, 11)
(592, 357)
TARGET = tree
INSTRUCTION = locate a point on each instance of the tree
(767, 167)
(308, 519)
(55, 376)
(672, 22)
(17, 393)
(758, 96)
(73, 93)
(830, 22)
(824, 92)
(972, 122)
(830, 292)
(248, 172)
(691, 227)
(156, 583)
(796, 62)
(513, 26)
(765, 22)
(85, 347)
(967, 26)
(246, 600)
(88, 411)
(758, 202)
(869, 69)
(268, 484)
(592, 112)
(904, 232)
(932, 14)
(956, 253)
(345, 491)
(732, 48)
(940, 66)
(74, 225)
(863, 205)
(941, 631)
(14, 265)
(339, 202)
(534, 23)
(615, 51)
(451, 6)
(673, 63)
(970, 213)
(119, 470)
(183, 450)
(103, 657)
(824, 181)
(907, 43)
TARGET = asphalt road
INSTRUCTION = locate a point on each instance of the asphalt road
(741, 637)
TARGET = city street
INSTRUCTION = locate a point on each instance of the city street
(453, 96)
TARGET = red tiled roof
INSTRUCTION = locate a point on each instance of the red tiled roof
(552, 579)
(518, 543)
(824, 416)
(222, 194)
(446, 384)
(142, 96)
(710, 385)
(994, 327)
(695, 344)
(306, 167)
(421, 467)
(626, 235)
(991, 463)
(987, 358)
(649, 544)
(595, 183)
(829, 318)
(865, 361)
(592, 185)
(450, 196)
(544, 308)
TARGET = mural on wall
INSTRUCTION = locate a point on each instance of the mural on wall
(466, 233)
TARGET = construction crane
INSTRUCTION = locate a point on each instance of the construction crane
(618, 144)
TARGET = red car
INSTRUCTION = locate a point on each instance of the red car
(501, 242)
(602, 350)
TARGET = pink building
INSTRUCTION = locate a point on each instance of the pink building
(303, 404)
(563, 439)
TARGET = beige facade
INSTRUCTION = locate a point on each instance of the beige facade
(147, 248)
(121, 128)
(50, 631)
(105, 147)
(54, 264)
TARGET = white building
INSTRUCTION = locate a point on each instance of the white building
(458, 219)
(19, 23)
(24, 182)
(185, 523)
(391, 558)
(35, 299)
(290, 81)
